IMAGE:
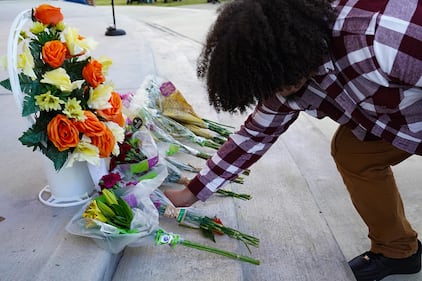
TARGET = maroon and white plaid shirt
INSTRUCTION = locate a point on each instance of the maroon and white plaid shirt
(372, 83)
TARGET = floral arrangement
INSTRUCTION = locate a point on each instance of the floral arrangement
(193, 218)
(111, 209)
(77, 114)
(167, 238)
(113, 224)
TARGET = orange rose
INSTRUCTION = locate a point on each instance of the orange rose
(114, 113)
(48, 14)
(62, 133)
(54, 52)
(92, 126)
(93, 73)
(105, 143)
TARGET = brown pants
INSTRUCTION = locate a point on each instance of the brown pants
(366, 170)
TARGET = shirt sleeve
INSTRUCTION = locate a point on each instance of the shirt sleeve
(260, 130)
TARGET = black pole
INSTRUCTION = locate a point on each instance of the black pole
(112, 30)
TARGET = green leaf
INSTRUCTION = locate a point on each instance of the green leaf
(29, 106)
(58, 157)
(6, 84)
(118, 210)
(74, 68)
(44, 36)
(208, 234)
(33, 138)
(126, 208)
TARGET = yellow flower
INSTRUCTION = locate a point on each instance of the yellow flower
(3, 62)
(23, 35)
(93, 212)
(119, 135)
(60, 26)
(87, 44)
(48, 102)
(106, 62)
(73, 109)
(85, 151)
(26, 62)
(76, 43)
(99, 97)
(59, 78)
(37, 27)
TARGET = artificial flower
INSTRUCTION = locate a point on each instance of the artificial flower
(59, 78)
(91, 125)
(93, 73)
(60, 26)
(114, 113)
(85, 151)
(54, 52)
(119, 135)
(26, 62)
(48, 14)
(100, 96)
(73, 109)
(48, 102)
(105, 142)
(62, 133)
(76, 43)
(63, 89)
(37, 27)
(106, 62)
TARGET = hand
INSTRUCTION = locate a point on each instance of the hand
(181, 198)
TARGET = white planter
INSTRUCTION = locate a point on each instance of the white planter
(68, 187)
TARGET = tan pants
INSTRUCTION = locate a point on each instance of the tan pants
(366, 170)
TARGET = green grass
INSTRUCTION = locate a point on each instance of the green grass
(170, 3)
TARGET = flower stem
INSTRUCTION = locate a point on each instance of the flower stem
(217, 251)
(228, 193)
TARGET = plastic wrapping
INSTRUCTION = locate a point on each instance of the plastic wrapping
(145, 221)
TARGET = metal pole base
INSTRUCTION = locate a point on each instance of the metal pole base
(112, 31)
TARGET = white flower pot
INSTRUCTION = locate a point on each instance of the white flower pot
(70, 186)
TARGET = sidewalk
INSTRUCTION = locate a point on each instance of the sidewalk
(300, 210)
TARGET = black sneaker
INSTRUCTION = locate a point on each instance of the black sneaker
(374, 267)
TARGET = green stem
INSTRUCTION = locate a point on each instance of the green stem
(217, 251)
(229, 193)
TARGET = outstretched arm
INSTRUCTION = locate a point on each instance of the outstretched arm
(260, 130)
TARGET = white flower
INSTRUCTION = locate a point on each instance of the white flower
(100, 96)
(119, 135)
(85, 151)
(59, 78)
(76, 43)
(26, 62)
(106, 62)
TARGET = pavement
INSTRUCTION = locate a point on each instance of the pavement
(300, 209)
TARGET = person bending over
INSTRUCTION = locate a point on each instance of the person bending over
(357, 62)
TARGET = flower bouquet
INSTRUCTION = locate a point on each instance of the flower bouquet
(166, 238)
(194, 218)
(165, 97)
(175, 176)
(76, 114)
(138, 153)
(112, 223)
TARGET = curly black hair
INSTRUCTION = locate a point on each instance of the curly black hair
(256, 48)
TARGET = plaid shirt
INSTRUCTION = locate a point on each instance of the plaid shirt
(371, 83)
